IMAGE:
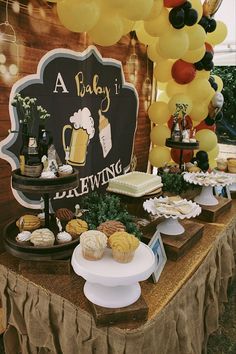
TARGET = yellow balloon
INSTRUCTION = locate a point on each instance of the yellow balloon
(219, 35)
(203, 74)
(197, 5)
(199, 112)
(199, 89)
(180, 99)
(172, 88)
(212, 163)
(207, 139)
(159, 25)
(192, 56)
(197, 36)
(128, 25)
(162, 86)
(79, 16)
(219, 82)
(114, 3)
(137, 9)
(159, 156)
(163, 97)
(143, 36)
(162, 71)
(212, 154)
(156, 10)
(173, 44)
(195, 123)
(107, 31)
(159, 134)
(152, 53)
(158, 112)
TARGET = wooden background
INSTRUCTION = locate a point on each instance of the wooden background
(36, 34)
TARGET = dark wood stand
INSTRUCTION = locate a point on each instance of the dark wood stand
(211, 212)
(182, 146)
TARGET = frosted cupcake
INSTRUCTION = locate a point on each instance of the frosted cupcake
(123, 246)
(63, 237)
(75, 227)
(65, 170)
(93, 244)
(109, 227)
(42, 238)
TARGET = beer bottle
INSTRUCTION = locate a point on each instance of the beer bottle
(33, 164)
(24, 148)
(45, 140)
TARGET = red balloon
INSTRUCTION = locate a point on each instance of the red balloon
(187, 155)
(183, 72)
(189, 123)
(173, 3)
(209, 48)
(203, 125)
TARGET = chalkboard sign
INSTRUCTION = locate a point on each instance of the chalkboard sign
(93, 118)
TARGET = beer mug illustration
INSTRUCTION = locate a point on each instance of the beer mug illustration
(82, 132)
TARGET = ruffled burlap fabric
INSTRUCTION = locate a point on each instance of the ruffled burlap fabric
(49, 314)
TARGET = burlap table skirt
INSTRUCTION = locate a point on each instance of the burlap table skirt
(40, 321)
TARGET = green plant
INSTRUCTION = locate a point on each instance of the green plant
(102, 207)
(174, 183)
(29, 113)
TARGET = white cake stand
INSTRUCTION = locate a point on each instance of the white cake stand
(207, 181)
(112, 284)
(171, 226)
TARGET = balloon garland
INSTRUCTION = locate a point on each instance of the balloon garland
(180, 36)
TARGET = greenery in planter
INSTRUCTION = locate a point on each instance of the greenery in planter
(104, 207)
(226, 128)
(174, 183)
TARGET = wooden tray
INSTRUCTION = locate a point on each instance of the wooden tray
(27, 251)
(181, 145)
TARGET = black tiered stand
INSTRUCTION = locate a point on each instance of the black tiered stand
(44, 187)
(182, 146)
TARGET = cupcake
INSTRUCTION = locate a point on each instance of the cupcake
(63, 237)
(75, 227)
(23, 236)
(28, 223)
(64, 215)
(65, 170)
(123, 246)
(41, 217)
(42, 238)
(93, 244)
(48, 174)
(109, 227)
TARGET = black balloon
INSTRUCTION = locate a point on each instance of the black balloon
(202, 156)
(209, 66)
(208, 56)
(211, 26)
(214, 86)
(191, 16)
(186, 5)
(199, 65)
(209, 121)
(176, 17)
(204, 22)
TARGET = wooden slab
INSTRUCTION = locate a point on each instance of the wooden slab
(104, 316)
(210, 213)
(177, 246)
(46, 267)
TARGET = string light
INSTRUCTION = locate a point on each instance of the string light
(133, 63)
(147, 88)
(9, 51)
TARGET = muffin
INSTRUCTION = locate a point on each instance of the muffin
(28, 223)
(63, 237)
(123, 246)
(48, 174)
(65, 170)
(23, 236)
(75, 227)
(93, 244)
(64, 215)
(109, 227)
(42, 238)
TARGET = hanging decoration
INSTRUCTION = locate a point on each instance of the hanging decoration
(9, 50)
(133, 62)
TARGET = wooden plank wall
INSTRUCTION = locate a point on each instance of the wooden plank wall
(37, 34)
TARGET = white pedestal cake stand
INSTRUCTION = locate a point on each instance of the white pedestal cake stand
(171, 226)
(112, 284)
(209, 180)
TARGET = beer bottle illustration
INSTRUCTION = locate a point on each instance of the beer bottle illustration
(104, 134)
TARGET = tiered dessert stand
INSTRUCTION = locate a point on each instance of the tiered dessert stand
(112, 284)
(208, 181)
(182, 146)
(171, 225)
(44, 187)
